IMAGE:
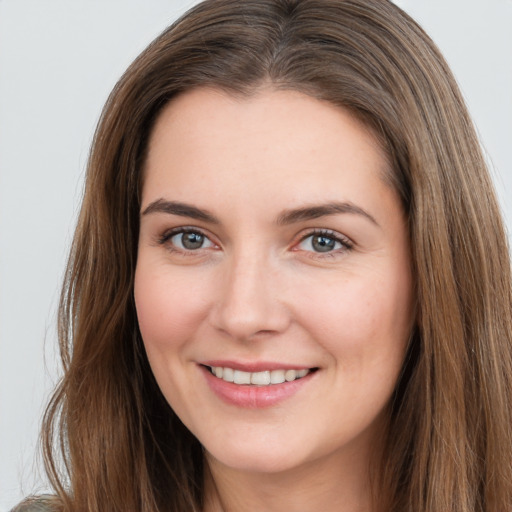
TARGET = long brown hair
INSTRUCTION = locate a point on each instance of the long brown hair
(111, 441)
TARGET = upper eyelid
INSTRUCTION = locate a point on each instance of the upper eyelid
(300, 237)
(168, 233)
(164, 240)
(347, 246)
(328, 233)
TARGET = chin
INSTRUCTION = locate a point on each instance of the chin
(255, 459)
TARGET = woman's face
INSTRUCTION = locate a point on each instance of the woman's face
(273, 283)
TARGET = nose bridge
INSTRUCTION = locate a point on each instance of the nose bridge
(249, 303)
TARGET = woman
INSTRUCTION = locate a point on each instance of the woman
(289, 286)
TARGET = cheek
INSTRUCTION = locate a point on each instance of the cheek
(361, 321)
(170, 311)
(169, 307)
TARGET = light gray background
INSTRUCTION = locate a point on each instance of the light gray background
(58, 61)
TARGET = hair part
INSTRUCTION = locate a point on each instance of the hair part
(449, 442)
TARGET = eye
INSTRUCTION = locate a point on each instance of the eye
(187, 240)
(323, 242)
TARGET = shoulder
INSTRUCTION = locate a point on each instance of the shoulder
(36, 504)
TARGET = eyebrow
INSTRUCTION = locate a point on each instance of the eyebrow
(287, 217)
(181, 209)
(322, 210)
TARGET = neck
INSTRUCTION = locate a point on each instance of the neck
(324, 484)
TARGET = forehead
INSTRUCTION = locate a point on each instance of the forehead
(213, 144)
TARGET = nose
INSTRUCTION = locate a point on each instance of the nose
(249, 303)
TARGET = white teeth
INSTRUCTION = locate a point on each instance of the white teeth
(242, 377)
(260, 378)
(228, 374)
(277, 377)
(290, 375)
(264, 378)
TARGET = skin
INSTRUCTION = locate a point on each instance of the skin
(259, 290)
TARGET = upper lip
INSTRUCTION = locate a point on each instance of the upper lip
(255, 366)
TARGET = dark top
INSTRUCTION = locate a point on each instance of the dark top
(36, 504)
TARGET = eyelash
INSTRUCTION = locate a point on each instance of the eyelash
(346, 244)
(167, 235)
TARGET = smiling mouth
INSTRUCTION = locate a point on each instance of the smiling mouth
(264, 378)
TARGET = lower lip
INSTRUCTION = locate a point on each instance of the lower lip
(254, 397)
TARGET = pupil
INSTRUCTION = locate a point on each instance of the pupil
(323, 243)
(192, 240)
